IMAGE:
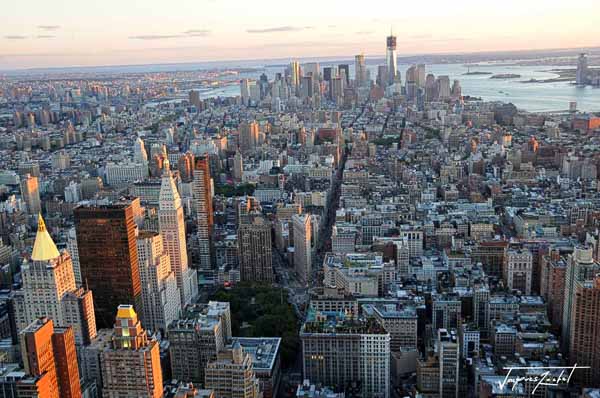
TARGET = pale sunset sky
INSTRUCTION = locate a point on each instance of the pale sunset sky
(54, 33)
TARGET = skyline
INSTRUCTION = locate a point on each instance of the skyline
(213, 31)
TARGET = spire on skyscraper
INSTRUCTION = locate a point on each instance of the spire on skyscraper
(169, 197)
(44, 248)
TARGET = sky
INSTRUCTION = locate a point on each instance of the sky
(57, 33)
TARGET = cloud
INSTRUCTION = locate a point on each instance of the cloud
(45, 37)
(197, 32)
(187, 33)
(280, 29)
(15, 37)
(49, 27)
(154, 37)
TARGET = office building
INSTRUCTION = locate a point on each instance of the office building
(344, 73)
(238, 167)
(295, 74)
(421, 75)
(106, 239)
(172, 229)
(50, 361)
(582, 70)
(30, 192)
(254, 245)
(248, 137)
(302, 230)
(584, 344)
(193, 343)
(518, 270)
(203, 210)
(306, 87)
(139, 152)
(448, 350)
(443, 87)
(266, 361)
(580, 267)
(231, 374)
(49, 290)
(391, 59)
(194, 99)
(401, 322)
(491, 254)
(131, 364)
(446, 311)
(312, 69)
(74, 252)
(338, 350)
(360, 70)
(161, 303)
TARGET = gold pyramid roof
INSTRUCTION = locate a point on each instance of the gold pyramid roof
(44, 248)
(126, 312)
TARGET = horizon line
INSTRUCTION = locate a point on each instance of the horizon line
(341, 57)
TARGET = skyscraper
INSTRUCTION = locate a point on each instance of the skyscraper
(580, 267)
(139, 152)
(106, 238)
(248, 138)
(238, 167)
(337, 350)
(194, 99)
(131, 364)
(360, 70)
(306, 88)
(302, 245)
(185, 166)
(391, 59)
(295, 74)
(231, 374)
(449, 357)
(50, 358)
(254, 242)
(202, 205)
(172, 228)
(443, 87)
(328, 73)
(74, 252)
(456, 92)
(382, 75)
(312, 69)
(49, 290)
(344, 73)
(584, 345)
(194, 342)
(431, 88)
(245, 91)
(582, 69)
(160, 294)
(30, 192)
(421, 75)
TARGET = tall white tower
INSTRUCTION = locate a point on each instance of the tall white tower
(172, 228)
(139, 152)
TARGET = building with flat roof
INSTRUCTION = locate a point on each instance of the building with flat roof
(266, 360)
(340, 350)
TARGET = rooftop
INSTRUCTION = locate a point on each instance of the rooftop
(262, 350)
